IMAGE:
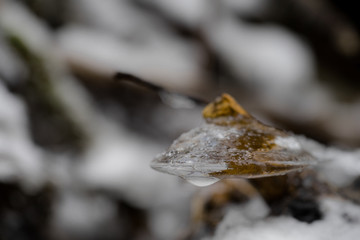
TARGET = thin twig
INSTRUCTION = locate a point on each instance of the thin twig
(120, 76)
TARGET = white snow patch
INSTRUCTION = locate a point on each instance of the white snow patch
(254, 210)
(341, 221)
(79, 213)
(163, 59)
(17, 20)
(20, 159)
(120, 162)
(268, 57)
(119, 17)
(338, 167)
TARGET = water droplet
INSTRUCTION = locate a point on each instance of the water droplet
(201, 181)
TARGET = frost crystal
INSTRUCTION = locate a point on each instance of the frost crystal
(231, 144)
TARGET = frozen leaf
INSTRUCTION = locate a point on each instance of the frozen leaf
(231, 143)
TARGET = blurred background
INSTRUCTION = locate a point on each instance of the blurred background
(75, 145)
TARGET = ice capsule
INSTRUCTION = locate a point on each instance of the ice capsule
(231, 143)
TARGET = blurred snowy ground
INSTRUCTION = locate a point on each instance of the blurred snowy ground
(101, 187)
(250, 222)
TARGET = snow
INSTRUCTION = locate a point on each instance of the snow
(269, 57)
(17, 20)
(20, 159)
(336, 166)
(117, 17)
(81, 213)
(161, 59)
(340, 221)
(113, 160)
(117, 161)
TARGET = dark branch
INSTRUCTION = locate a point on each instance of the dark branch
(119, 76)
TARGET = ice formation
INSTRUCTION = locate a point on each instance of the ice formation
(231, 144)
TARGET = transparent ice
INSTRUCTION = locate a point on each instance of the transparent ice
(201, 154)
